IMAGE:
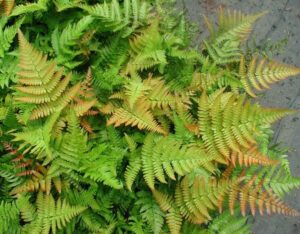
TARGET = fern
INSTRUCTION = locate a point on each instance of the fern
(260, 74)
(37, 140)
(100, 167)
(157, 159)
(233, 28)
(8, 67)
(41, 83)
(226, 224)
(114, 18)
(63, 42)
(48, 214)
(227, 131)
(41, 5)
(9, 214)
(147, 50)
(151, 212)
(194, 202)
(7, 34)
(144, 131)
(141, 102)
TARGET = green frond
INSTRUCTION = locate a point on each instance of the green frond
(49, 214)
(210, 82)
(146, 50)
(168, 156)
(114, 17)
(8, 173)
(84, 198)
(7, 35)
(227, 51)
(36, 140)
(260, 74)
(233, 28)
(62, 5)
(40, 5)
(132, 170)
(135, 90)
(7, 71)
(150, 211)
(101, 165)
(27, 210)
(9, 218)
(64, 42)
(70, 148)
(225, 223)
(113, 53)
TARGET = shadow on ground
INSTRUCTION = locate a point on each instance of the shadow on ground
(282, 21)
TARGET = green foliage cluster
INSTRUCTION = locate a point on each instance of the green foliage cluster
(112, 122)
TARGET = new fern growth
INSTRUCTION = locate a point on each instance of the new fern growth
(125, 127)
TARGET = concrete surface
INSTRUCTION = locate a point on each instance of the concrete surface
(282, 21)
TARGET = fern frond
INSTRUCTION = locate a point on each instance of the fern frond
(41, 83)
(173, 217)
(27, 8)
(225, 223)
(228, 123)
(233, 28)
(168, 156)
(63, 42)
(209, 82)
(277, 178)
(226, 51)
(115, 18)
(99, 165)
(132, 170)
(7, 71)
(194, 201)
(139, 116)
(49, 214)
(38, 181)
(251, 156)
(7, 34)
(62, 5)
(9, 218)
(37, 140)
(86, 97)
(146, 50)
(70, 148)
(260, 74)
(150, 212)
(234, 25)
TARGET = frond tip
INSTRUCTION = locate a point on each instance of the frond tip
(261, 73)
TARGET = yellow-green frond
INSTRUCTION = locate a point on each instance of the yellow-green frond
(261, 73)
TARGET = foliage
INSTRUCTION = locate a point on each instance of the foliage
(112, 122)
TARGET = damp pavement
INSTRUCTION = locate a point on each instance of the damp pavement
(282, 25)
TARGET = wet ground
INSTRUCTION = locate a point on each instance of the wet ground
(282, 24)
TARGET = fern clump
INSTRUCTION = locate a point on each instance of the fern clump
(112, 122)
